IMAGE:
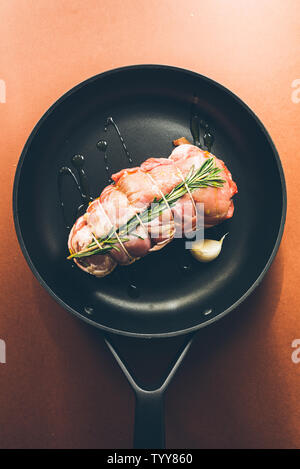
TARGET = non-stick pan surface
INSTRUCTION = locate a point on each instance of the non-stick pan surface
(151, 105)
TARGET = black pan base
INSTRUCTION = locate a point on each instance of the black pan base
(151, 105)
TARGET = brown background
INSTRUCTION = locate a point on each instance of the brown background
(238, 386)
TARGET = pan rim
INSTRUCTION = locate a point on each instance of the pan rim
(31, 137)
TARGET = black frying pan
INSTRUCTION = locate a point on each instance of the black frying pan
(151, 105)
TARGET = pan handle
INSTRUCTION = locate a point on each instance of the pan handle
(149, 428)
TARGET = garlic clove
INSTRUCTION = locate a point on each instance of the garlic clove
(207, 250)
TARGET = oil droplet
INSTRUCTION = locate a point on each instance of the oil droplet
(207, 312)
(208, 139)
(133, 291)
(183, 262)
(78, 161)
(89, 310)
(185, 268)
(102, 146)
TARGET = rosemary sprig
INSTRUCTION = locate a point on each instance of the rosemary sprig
(206, 176)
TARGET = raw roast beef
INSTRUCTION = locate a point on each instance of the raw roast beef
(133, 191)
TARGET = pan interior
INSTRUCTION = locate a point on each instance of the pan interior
(151, 107)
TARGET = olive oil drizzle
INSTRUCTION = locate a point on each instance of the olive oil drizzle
(197, 124)
(62, 173)
(81, 184)
(111, 121)
(102, 147)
